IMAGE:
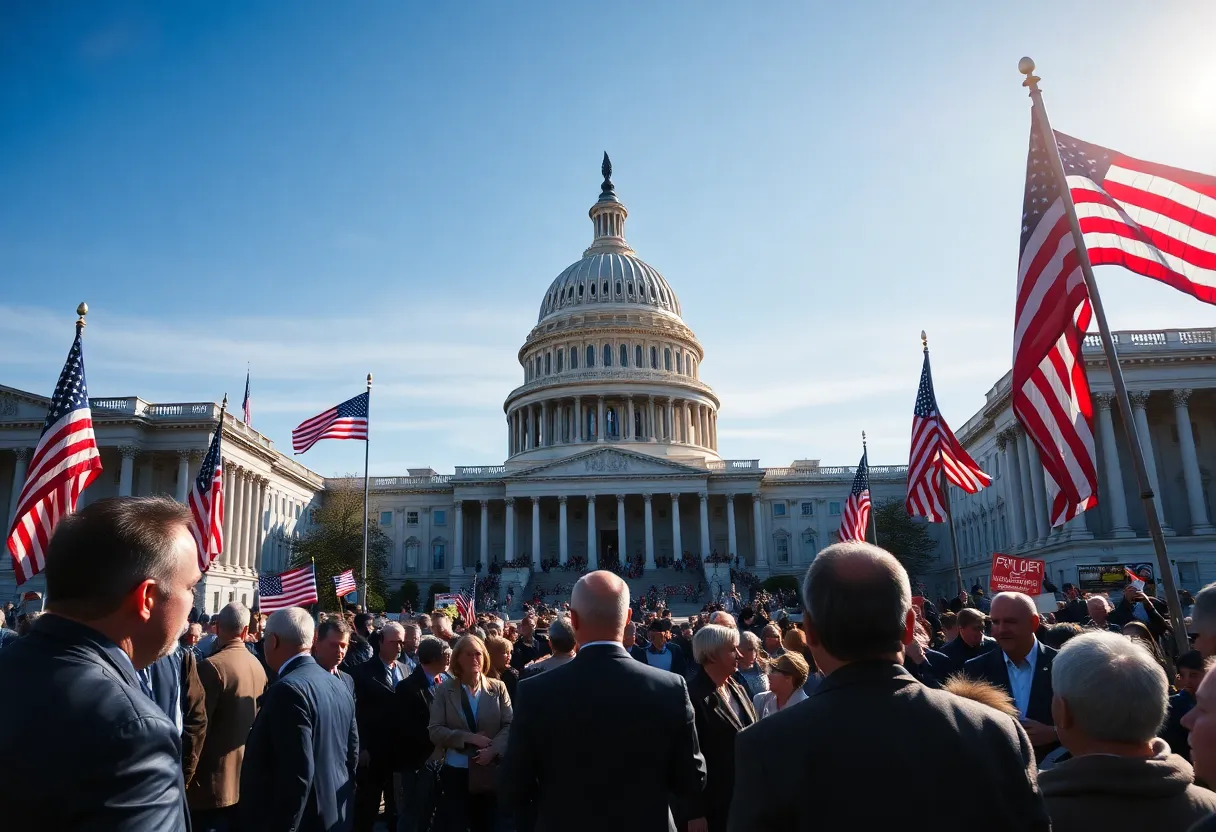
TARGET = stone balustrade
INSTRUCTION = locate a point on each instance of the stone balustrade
(733, 465)
(835, 472)
(1155, 339)
(472, 472)
(407, 482)
(135, 406)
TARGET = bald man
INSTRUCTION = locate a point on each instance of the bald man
(575, 734)
(1020, 665)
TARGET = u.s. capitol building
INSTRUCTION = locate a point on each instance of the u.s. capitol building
(612, 453)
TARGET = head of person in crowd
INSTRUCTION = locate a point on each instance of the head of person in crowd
(232, 622)
(716, 649)
(1191, 667)
(561, 636)
(510, 632)
(1014, 622)
(500, 655)
(722, 618)
(289, 633)
(193, 635)
(971, 626)
(787, 674)
(424, 621)
(470, 661)
(126, 567)
(391, 638)
(257, 625)
(629, 637)
(1140, 633)
(747, 617)
(771, 636)
(434, 655)
(363, 625)
(795, 641)
(749, 651)
(982, 691)
(204, 621)
(1071, 592)
(858, 606)
(493, 628)
(441, 626)
(411, 635)
(1203, 621)
(1201, 722)
(332, 641)
(527, 627)
(949, 626)
(1098, 608)
(477, 631)
(1055, 635)
(599, 608)
(657, 633)
(1109, 696)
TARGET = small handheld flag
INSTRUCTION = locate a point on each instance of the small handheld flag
(344, 584)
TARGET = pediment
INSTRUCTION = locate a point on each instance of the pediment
(607, 462)
(17, 405)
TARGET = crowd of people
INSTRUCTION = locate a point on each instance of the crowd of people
(599, 713)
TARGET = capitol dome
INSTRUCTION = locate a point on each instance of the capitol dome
(609, 274)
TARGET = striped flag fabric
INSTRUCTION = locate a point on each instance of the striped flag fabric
(293, 588)
(346, 421)
(934, 450)
(344, 584)
(856, 514)
(1154, 220)
(64, 463)
(206, 502)
(466, 605)
(247, 403)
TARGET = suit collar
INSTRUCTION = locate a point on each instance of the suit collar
(295, 663)
(716, 699)
(864, 673)
(64, 629)
(602, 650)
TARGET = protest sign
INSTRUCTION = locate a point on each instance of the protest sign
(1013, 574)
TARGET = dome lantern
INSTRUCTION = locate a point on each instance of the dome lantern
(608, 216)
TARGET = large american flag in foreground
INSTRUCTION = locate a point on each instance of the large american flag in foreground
(1156, 221)
(344, 584)
(206, 502)
(65, 461)
(934, 449)
(294, 588)
(346, 421)
(856, 514)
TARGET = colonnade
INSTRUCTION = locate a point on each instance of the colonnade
(580, 419)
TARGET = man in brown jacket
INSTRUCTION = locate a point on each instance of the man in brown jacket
(234, 680)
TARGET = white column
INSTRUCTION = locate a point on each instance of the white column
(592, 544)
(1116, 497)
(601, 430)
(543, 439)
(1006, 443)
(1032, 529)
(426, 558)
(483, 552)
(399, 558)
(578, 419)
(677, 541)
(19, 469)
(646, 499)
(1190, 464)
(126, 474)
(1038, 488)
(536, 532)
(714, 429)
(628, 434)
(255, 562)
(1140, 413)
(758, 528)
(508, 552)
(183, 476)
(650, 434)
(731, 541)
(241, 521)
(229, 511)
(563, 546)
(622, 551)
(670, 432)
(458, 541)
(704, 525)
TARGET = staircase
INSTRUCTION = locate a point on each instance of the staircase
(637, 587)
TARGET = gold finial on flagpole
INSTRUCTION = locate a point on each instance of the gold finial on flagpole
(81, 310)
(924, 340)
(1026, 67)
(224, 404)
(369, 379)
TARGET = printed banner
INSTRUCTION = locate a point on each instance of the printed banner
(1103, 578)
(1013, 574)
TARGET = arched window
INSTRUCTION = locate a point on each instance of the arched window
(618, 287)
(590, 356)
(548, 363)
(667, 358)
(680, 362)
(654, 358)
(637, 355)
(561, 354)
(574, 358)
(624, 355)
(592, 290)
(607, 355)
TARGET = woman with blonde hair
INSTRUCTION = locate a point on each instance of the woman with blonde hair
(470, 722)
(794, 641)
(786, 677)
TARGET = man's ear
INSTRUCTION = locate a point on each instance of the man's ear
(628, 615)
(143, 598)
(909, 626)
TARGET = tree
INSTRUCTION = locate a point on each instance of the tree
(905, 537)
(404, 595)
(335, 544)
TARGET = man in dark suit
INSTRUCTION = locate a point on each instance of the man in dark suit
(530, 645)
(176, 688)
(300, 759)
(120, 577)
(375, 707)
(333, 639)
(360, 649)
(413, 784)
(1021, 666)
(648, 755)
(970, 641)
(662, 652)
(876, 721)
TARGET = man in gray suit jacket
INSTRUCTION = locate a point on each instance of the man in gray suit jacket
(865, 734)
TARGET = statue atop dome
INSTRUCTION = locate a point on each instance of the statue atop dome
(607, 188)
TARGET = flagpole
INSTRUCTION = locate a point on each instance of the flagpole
(367, 444)
(1043, 125)
(958, 572)
(865, 455)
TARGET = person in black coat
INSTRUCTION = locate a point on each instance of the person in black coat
(1156, 613)
(861, 736)
(376, 711)
(414, 785)
(120, 577)
(662, 652)
(560, 766)
(360, 649)
(303, 748)
(970, 641)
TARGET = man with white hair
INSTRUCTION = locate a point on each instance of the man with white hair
(375, 707)
(1098, 607)
(1021, 666)
(303, 749)
(1110, 698)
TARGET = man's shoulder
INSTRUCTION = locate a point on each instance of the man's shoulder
(985, 664)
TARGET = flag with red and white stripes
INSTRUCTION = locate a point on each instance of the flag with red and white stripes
(63, 464)
(934, 450)
(344, 583)
(294, 588)
(855, 516)
(206, 502)
(466, 605)
(1154, 220)
(346, 421)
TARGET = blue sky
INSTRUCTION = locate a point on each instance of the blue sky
(325, 189)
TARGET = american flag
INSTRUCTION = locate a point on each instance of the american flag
(1157, 221)
(294, 588)
(856, 514)
(65, 461)
(344, 584)
(466, 605)
(346, 421)
(247, 404)
(934, 449)
(206, 503)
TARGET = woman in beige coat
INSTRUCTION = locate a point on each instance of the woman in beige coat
(470, 721)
